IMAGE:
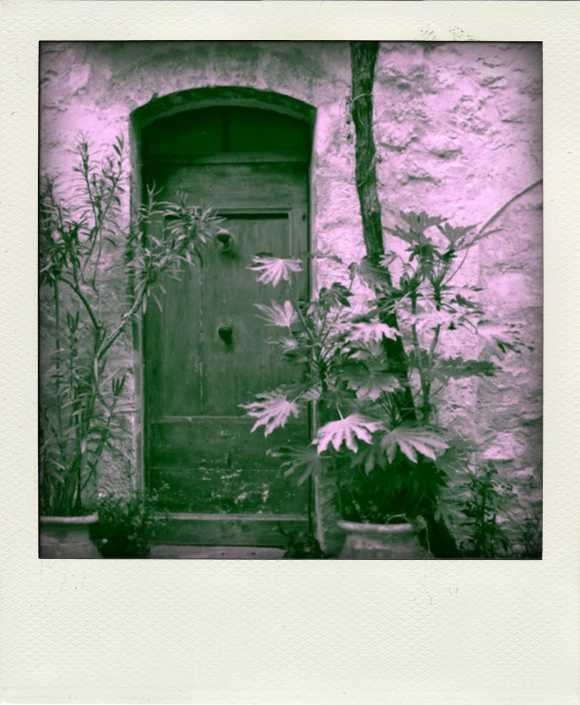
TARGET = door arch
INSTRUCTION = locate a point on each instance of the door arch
(216, 96)
(252, 165)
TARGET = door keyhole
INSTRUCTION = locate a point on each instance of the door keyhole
(226, 333)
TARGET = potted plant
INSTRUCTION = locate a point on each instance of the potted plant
(82, 235)
(377, 441)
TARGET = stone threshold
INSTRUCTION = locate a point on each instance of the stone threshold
(244, 553)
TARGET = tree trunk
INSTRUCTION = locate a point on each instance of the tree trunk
(363, 61)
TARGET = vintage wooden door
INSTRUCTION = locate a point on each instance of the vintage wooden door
(206, 352)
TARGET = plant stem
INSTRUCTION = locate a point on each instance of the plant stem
(422, 375)
(500, 212)
(57, 344)
(427, 388)
(83, 299)
(492, 220)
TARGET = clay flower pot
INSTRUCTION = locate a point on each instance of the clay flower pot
(67, 537)
(381, 542)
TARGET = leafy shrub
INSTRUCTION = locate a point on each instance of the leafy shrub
(377, 434)
(127, 526)
(528, 535)
(487, 515)
(303, 545)
(80, 394)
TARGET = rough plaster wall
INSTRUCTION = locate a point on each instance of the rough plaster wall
(92, 88)
(458, 131)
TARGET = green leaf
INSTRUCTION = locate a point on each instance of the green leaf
(347, 431)
(288, 346)
(462, 301)
(373, 331)
(312, 394)
(369, 384)
(272, 410)
(455, 235)
(418, 222)
(505, 337)
(412, 440)
(370, 274)
(273, 270)
(336, 295)
(370, 458)
(277, 315)
(401, 234)
(303, 459)
(457, 368)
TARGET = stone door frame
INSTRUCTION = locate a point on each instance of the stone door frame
(182, 101)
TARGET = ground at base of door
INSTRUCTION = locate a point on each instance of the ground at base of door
(216, 552)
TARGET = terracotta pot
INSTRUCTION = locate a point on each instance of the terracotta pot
(381, 542)
(67, 537)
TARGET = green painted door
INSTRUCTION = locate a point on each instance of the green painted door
(206, 352)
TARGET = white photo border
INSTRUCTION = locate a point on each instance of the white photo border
(436, 632)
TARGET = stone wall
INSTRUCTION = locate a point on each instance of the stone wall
(458, 130)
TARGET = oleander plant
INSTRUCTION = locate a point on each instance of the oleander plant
(83, 232)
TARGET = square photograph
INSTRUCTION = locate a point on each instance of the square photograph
(290, 300)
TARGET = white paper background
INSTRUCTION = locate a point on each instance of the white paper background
(290, 631)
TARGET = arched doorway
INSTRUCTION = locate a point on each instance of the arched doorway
(252, 165)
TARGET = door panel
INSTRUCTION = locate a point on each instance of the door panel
(180, 383)
(234, 372)
(198, 440)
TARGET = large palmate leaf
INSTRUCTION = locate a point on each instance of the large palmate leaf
(369, 383)
(425, 321)
(371, 332)
(302, 459)
(505, 337)
(347, 431)
(412, 440)
(312, 393)
(272, 410)
(455, 236)
(369, 458)
(418, 222)
(277, 315)
(370, 274)
(286, 345)
(336, 295)
(367, 352)
(273, 270)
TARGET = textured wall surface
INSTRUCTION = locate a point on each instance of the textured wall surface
(460, 134)
(458, 131)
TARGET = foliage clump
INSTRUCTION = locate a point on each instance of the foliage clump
(127, 525)
(389, 460)
(83, 382)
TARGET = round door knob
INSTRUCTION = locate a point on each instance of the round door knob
(224, 242)
(226, 333)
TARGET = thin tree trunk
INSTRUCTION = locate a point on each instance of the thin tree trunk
(363, 62)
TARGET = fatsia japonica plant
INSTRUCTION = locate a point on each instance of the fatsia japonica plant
(389, 462)
(83, 235)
